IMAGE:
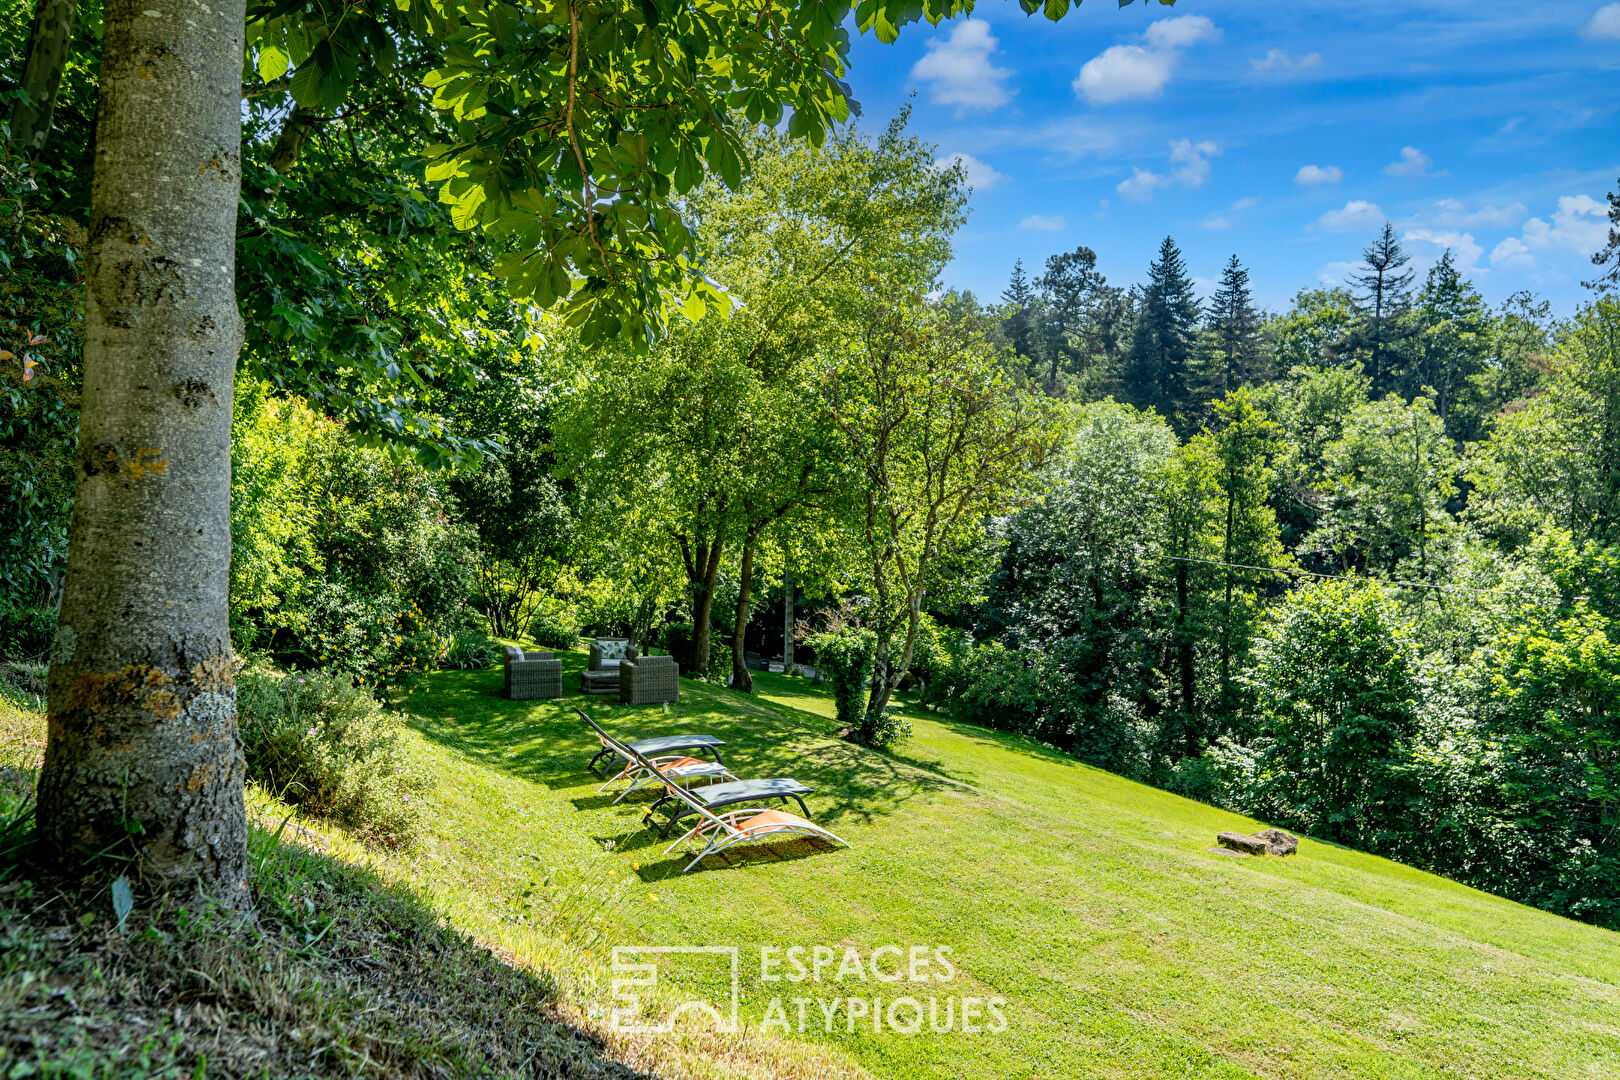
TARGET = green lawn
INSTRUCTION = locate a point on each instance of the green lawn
(1090, 903)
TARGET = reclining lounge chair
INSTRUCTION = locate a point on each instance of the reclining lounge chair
(716, 796)
(737, 827)
(641, 766)
(613, 749)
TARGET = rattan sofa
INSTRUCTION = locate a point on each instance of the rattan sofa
(648, 680)
(536, 674)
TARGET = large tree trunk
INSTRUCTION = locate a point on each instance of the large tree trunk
(143, 756)
(48, 43)
(740, 678)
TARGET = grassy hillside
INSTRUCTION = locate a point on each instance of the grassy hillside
(1090, 903)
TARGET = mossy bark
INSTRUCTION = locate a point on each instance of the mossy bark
(49, 39)
(143, 757)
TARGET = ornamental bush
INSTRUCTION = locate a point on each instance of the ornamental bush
(470, 650)
(845, 658)
(323, 744)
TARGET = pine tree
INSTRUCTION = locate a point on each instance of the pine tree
(1165, 338)
(1452, 348)
(1388, 289)
(1234, 324)
(1608, 257)
(1019, 323)
(1070, 289)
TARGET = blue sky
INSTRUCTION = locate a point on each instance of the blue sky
(1285, 133)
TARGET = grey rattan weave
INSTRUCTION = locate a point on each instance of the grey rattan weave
(648, 680)
(532, 675)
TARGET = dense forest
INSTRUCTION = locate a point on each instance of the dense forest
(1347, 567)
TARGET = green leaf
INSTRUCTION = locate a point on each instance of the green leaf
(273, 62)
(1056, 9)
(306, 84)
(123, 900)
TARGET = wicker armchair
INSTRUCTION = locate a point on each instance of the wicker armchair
(602, 675)
(532, 675)
(647, 680)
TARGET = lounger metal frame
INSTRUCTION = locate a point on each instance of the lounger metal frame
(639, 775)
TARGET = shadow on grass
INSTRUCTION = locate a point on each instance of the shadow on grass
(544, 742)
(674, 864)
(337, 968)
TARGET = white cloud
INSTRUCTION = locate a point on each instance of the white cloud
(1191, 168)
(1413, 164)
(980, 175)
(1511, 252)
(1193, 159)
(1246, 202)
(1216, 223)
(1604, 23)
(1337, 273)
(1126, 72)
(1181, 31)
(1579, 225)
(1318, 174)
(959, 72)
(1278, 61)
(1355, 214)
(1454, 213)
(1431, 242)
(1141, 185)
(1043, 223)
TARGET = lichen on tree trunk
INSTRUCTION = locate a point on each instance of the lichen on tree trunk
(143, 756)
(49, 40)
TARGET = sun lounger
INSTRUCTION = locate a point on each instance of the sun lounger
(718, 796)
(709, 799)
(719, 832)
(674, 767)
(655, 747)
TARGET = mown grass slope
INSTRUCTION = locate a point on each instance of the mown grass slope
(1090, 903)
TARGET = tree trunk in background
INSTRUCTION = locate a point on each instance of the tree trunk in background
(48, 42)
(143, 756)
(290, 143)
(1184, 645)
(740, 678)
(787, 620)
(702, 563)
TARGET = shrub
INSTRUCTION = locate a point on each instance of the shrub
(845, 657)
(471, 650)
(883, 729)
(555, 626)
(25, 632)
(1054, 696)
(342, 557)
(941, 663)
(325, 745)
